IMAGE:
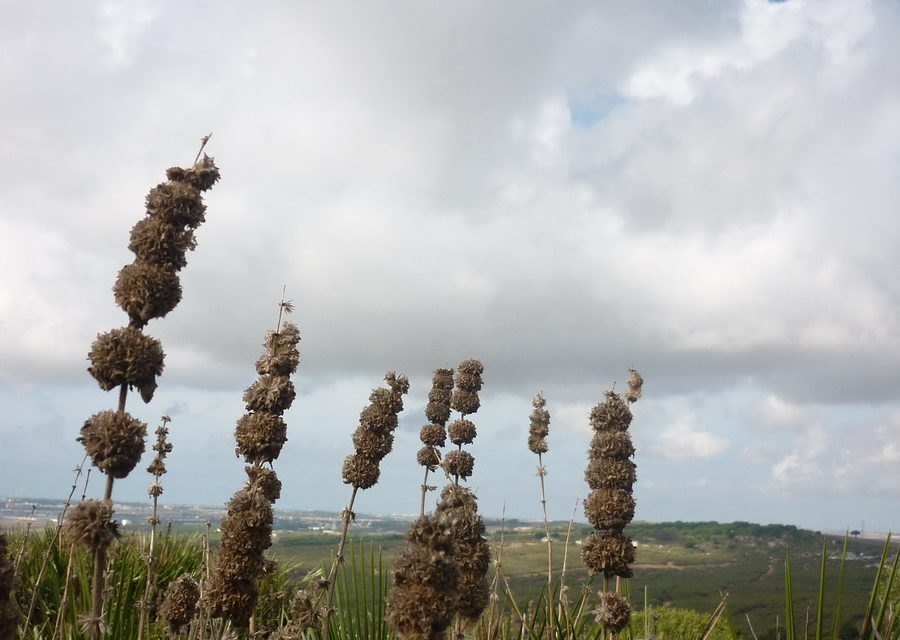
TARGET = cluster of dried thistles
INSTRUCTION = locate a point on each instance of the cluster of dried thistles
(437, 411)
(179, 603)
(610, 506)
(539, 428)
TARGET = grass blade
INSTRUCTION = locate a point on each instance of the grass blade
(789, 631)
(864, 632)
(820, 604)
(839, 592)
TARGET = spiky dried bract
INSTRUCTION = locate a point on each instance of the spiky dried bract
(281, 356)
(272, 394)
(178, 203)
(9, 613)
(539, 427)
(114, 441)
(158, 242)
(459, 463)
(126, 356)
(612, 414)
(90, 524)
(233, 600)
(260, 437)
(470, 367)
(179, 603)
(609, 473)
(163, 448)
(609, 509)
(360, 472)
(306, 613)
(635, 382)
(399, 386)
(424, 597)
(264, 480)
(462, 431)
(145, 291)
(613, 611)
(608, 553)
(378, 415)
(428, 457)
(433, 435)
(615, 445)
(470, 549)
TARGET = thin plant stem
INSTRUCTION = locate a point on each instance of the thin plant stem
(347, 516)
(550, 606)
(25, 540)
(49, 549)
(150, 562)
(203, 142)
(424, 491)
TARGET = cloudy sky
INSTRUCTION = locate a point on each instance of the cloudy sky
(706, 190)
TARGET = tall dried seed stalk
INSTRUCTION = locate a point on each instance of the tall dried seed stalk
(126, 359)
(232, 592)
(372, 441)
(434, 434)
(610, 506)
(539, 429)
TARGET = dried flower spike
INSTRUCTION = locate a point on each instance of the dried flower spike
(179, 603)
(540, 426)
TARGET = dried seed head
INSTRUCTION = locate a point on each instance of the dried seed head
(203, 175)
(459, 463)
(461, 431)
(126, 356)
(399, 386)
(635, 382)
(471, 552)
(146, 291)
(360, 472)
(233, 600)
(428, 457)
(613, 611)
(438, 408)
(155, 241)
(611, 415)
(9, 614)
(265, 481)
(114, 441)
(540, 426)
(281, 356)
(433, 435)
(272, 394)
(470, 367)
(466, 402)
(90, 524)
(609, 554)
(180, 603)
(305, 612)
(371, 444)
(177, 203)
(608, 473)
(423, 599)
(378, 415)
(260, 437)
(611, 444)
(609, 509)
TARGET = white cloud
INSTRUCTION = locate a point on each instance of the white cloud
(688, 439)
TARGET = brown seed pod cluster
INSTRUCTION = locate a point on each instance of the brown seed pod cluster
(90, 524)
(374, 436)
(261, 433)
(114, 441)
(126, 356)
(306, 613)
(460, 464)
(470, 549)
(9, 612)
(424, 597)
(437, 411)
(246, 534)
(468, 384)
(635, 382)
(539, 428)
(149, 287)
(610, 505)
(179, 603)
